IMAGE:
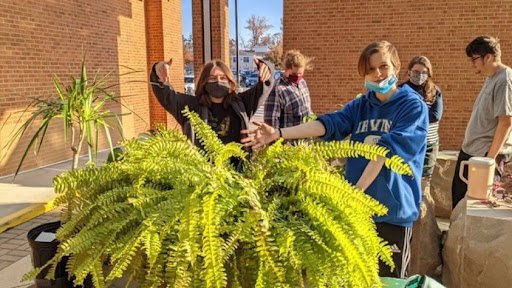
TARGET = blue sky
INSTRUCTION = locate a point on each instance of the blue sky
(272, 9)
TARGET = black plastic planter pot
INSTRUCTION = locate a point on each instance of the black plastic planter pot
(42, 252)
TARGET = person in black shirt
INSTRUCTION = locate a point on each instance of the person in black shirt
(420, 79)
(216, 100)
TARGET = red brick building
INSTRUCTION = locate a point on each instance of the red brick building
(39, 39)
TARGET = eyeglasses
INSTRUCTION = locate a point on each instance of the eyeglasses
(473, 59)
(419, 73)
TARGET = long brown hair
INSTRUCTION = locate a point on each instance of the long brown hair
(428, 89)
(202, 95)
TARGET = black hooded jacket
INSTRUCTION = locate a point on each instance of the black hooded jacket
(244, 104)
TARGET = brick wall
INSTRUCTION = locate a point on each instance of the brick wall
(197, 34)
(220, 30)
(164, 42)
(335, 33)
(173, 47)
(39, 39)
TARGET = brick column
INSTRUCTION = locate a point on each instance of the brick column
(219, 20)
(197, 34)
(164, 41)
(220, 30)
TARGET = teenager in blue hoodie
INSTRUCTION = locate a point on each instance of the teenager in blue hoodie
(392, 117)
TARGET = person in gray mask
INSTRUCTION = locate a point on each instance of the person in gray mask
(420, 80)
(216, 100)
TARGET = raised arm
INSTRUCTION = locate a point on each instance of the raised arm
(172, 101)
(254, 97)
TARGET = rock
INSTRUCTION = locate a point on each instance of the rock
(478, 249)
(426, 240)
(441, 183)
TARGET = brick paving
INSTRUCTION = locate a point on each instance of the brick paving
(13, 242)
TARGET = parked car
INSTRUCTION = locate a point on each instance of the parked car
(242, 80)
(241, 76)
(252, 79)
(189, 71)
(278, 74)
(246, 73)
(190, 87)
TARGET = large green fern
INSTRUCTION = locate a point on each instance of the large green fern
(170, 214)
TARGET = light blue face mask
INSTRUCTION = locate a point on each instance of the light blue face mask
(383, 87)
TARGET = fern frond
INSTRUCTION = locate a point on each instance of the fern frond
(267, 251)
(342, 193)
(396, 163)
(128, 253)
(350, 149)
(152, 243)
(97, 275)
(362, 275)
(190, 231)
(227, 152)
(204, 133)
(385, 254)
(212, 243)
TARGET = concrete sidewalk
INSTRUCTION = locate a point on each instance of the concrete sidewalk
(15, 251)
(32, 189)
(25, 204)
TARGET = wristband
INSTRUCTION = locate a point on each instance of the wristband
(280, 132)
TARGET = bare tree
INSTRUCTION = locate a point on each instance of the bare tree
(257, 26)
(232, 46)
(275, 55)
(188, 50)
(241, 42)
(266, 40)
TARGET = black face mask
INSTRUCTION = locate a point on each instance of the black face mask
(217, 90)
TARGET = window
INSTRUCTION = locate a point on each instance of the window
(246, 59)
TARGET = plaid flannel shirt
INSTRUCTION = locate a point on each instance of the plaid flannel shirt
(287, 104)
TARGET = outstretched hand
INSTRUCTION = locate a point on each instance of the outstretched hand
(162, 71)
(260, 136)
(263, 69)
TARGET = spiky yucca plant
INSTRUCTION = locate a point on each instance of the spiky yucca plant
(81, 105)
(171, 215)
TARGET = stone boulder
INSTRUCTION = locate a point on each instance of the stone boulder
(441, 183)
(478, 249)
(426, 240)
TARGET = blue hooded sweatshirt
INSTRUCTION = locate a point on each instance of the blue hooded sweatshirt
(400, 124)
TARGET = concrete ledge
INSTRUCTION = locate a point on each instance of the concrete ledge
(26, 214)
